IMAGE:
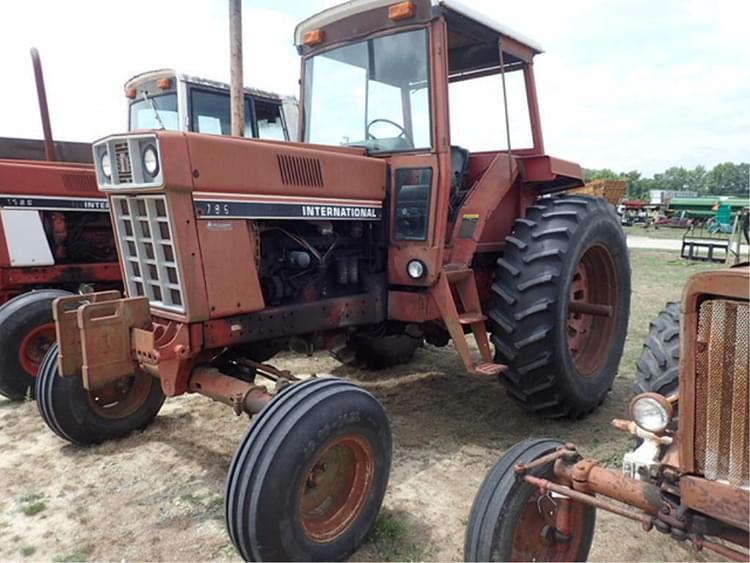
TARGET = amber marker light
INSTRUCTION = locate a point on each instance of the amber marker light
(165, 83)
(313, 37)
(131, 93)
(401, 11)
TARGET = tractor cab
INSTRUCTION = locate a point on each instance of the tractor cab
(165, 99)
(397, 79)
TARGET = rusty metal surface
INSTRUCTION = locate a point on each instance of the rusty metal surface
(242, 396)
(587, 476)
(724, 550)
(724, 502)
(546, 486)
(105, 338)
(65, 314)
(732, 284)
(238, 291)
(304, 318)
(722, 441)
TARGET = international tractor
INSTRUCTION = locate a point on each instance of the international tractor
(372, 235)
(55, 232)
(688, 477)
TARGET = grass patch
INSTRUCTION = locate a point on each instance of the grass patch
(31, 502)
(77, 556)
(27, 550)
(393, 541)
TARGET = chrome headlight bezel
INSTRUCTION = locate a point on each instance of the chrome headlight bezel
(150, 160)
(416, 269)
(651, 411)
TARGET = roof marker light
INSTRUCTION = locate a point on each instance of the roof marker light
(313, 37)
(401, 11)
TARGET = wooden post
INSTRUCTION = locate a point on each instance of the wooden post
(237, 97)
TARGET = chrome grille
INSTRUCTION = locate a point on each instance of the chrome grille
(722, 421)
(123, 164)
(148, 250)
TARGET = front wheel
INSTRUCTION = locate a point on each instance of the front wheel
(308, 479)
(85, 417)
(512, 521)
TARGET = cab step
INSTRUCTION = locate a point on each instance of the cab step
(471, 318)
(488, 368)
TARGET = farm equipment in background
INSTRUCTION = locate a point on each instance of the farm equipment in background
(689, 477)
(611, 190)
(719, 237)
(368, 238)
(55, 231)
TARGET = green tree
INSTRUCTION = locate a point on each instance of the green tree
(728, 178)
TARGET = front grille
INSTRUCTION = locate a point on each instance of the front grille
(123, 164)
(300, 171)
(148, 250)
(722, 424)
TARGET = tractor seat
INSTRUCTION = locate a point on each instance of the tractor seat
(459, 167)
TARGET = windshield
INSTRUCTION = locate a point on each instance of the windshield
(374, 94)
(143, 116)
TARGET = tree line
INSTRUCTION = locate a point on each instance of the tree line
(726, 178)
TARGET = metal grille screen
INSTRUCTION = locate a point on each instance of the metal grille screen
(148, 249)
(722, 425)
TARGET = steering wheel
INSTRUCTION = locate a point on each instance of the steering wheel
(403, 134)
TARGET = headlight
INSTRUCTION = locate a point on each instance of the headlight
(416, 269)
(106, 165)
(651, 411)
(150, 160)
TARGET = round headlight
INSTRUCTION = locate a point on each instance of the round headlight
(651, 411)
(106, 164)
(150, 160)
(416, 269)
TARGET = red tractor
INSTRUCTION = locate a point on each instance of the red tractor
(55, 232)
(372, 235)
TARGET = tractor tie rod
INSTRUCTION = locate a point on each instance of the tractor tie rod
(545, 486)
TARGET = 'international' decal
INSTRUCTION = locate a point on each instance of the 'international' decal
(288, 210)
(43, 203)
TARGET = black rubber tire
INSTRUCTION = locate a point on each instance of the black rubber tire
(18, 317)
(273, 460)
(374, 351)
(64, 406)
(658, 367)
(500, 500)
(528, 321)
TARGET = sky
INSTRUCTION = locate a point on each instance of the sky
(623, 84)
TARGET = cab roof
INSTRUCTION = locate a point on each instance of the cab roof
(452, 7)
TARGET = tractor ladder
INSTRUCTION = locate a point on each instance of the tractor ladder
(457, 280)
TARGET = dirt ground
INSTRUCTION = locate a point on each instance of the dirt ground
(158, 495)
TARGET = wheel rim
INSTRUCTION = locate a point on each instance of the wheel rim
(121, 398)
(34, 346)
(336, 487)
(536, 538)
(590, 335)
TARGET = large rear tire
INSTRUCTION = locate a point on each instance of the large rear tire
(85, 417)
(658, 367)
(512, 521)
(567, 252)
(27, 330)
(308, 479)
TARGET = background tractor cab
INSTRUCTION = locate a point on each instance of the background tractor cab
(165, 99)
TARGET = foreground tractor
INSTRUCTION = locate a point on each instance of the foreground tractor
(371, 236)
(55, 232)
(688, 478)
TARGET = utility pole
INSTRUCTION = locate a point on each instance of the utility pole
(236, 90)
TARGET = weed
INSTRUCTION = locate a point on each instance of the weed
(27, 550)
(33, 508)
